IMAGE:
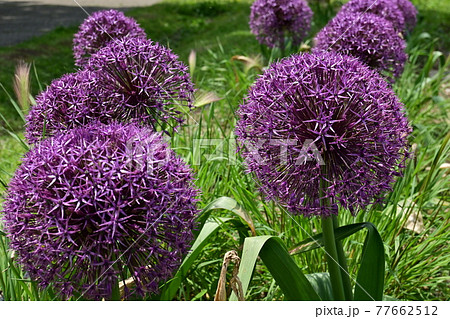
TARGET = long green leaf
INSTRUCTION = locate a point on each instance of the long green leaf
(283, 268)
(316, 241)
(209, 228)
(3, 184)
(7, 128)
(370, 279)
(322, 284)
(229, 204)
(16, 106)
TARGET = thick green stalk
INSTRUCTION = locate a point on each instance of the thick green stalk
(343, 263)
(332, 258)
(115, 295)
(329, 239)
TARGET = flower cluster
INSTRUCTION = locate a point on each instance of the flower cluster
(130, 79)
(409, 13)
(100, 197)
(154, 86)
(73, 100)
(387, 9)
(272, 20)
(99, 203)
(101, 28)
(368, 37)
(342, 129)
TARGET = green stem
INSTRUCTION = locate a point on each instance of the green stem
(343, 262)
(330, 243)
(332, 258)
(115, 296)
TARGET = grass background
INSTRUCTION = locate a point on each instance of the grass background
(417, 262)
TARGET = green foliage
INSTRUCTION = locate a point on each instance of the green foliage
(413, 221)
(370, 279)
(286, 273)
(209, 228)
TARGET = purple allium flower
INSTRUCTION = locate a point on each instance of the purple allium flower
(368, 37)
(101, 203)
(73, 100)
(272, 20)
(129, 80)
(152, 83)
(320, 130)
(409, 13)
(387, 9)
(101, 28)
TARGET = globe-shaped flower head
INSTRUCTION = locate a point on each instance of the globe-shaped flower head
(322, 130)
(368, 37)
(99, 204)
(101, 28)
(409, 13)
(273, 20)
(73, 100)
(387, 9)
(154, 86)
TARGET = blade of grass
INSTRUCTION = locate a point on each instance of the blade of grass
(15, 105)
